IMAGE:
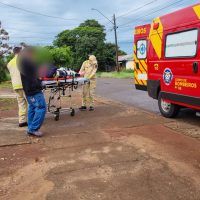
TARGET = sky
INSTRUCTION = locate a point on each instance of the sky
(33, 22)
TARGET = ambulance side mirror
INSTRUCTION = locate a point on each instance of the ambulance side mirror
(195, 67)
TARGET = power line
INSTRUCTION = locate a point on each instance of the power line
(131, 42)
(46, 33)
(39, 43)
(52, 26)
(33, 12)
(113, 22)
(140, 19)
(122, 25)
(31, 37)
(137, 9)
(40, 25)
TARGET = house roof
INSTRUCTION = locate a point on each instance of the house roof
(125, 58)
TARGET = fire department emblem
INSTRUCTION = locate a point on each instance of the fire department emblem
(167, 76)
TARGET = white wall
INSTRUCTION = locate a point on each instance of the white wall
(129, 65)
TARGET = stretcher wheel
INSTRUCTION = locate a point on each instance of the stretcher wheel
(72, 113)
(57, 117)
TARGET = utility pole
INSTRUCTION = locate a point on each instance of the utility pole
(116, 42)
(113, 22)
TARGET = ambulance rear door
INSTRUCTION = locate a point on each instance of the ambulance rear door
(140, 56)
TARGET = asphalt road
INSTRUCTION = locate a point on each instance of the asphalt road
(123, 90)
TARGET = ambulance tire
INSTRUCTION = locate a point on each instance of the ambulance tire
(167, 110)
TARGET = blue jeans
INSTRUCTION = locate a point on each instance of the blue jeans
(36, 111)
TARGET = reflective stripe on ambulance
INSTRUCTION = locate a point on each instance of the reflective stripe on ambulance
(197, 10)
(156, 37)
(141, 73)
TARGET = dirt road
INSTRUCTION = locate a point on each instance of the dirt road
(117, 152)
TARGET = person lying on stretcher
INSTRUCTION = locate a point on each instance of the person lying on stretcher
(54, 72)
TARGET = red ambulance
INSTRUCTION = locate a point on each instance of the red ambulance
(173, 60)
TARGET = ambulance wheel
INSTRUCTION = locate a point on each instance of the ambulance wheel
(72, 113)
(167, 109)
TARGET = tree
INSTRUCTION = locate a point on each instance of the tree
(92, 23)
(88, 38)
(108, 57)
(2, 70)
(5, 51)
(66, 38)
(61, 56)
(43, 56)
(89, 41)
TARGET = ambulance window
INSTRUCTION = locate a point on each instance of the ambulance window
(141, 49)
(182, 44)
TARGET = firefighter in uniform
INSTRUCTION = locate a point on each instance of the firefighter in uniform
(18, 88)
(88, 70)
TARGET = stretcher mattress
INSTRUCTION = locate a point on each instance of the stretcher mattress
(75, 81)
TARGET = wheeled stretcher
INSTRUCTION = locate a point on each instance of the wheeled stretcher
(59, 88)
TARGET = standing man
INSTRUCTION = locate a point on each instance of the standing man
(33, 90)
(18, 88)
(88, 70)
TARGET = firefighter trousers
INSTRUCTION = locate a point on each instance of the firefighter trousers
(88, 93)
(22, 105)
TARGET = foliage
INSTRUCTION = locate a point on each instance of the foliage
(43, 56)
(108, 56)
(72, 47)
(5, 51)
(61, 56)
(8, 58)
(91, 23)
(87, 39)
(122, 74)
(3, 70)
(121, 52)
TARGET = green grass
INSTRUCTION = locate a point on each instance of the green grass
(6, 85)
(123, 74)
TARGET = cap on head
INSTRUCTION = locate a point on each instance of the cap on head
(93, 59)
(17, 49)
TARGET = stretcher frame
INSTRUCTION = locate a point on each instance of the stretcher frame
(59, 89)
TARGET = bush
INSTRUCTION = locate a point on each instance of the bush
(3, 70)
